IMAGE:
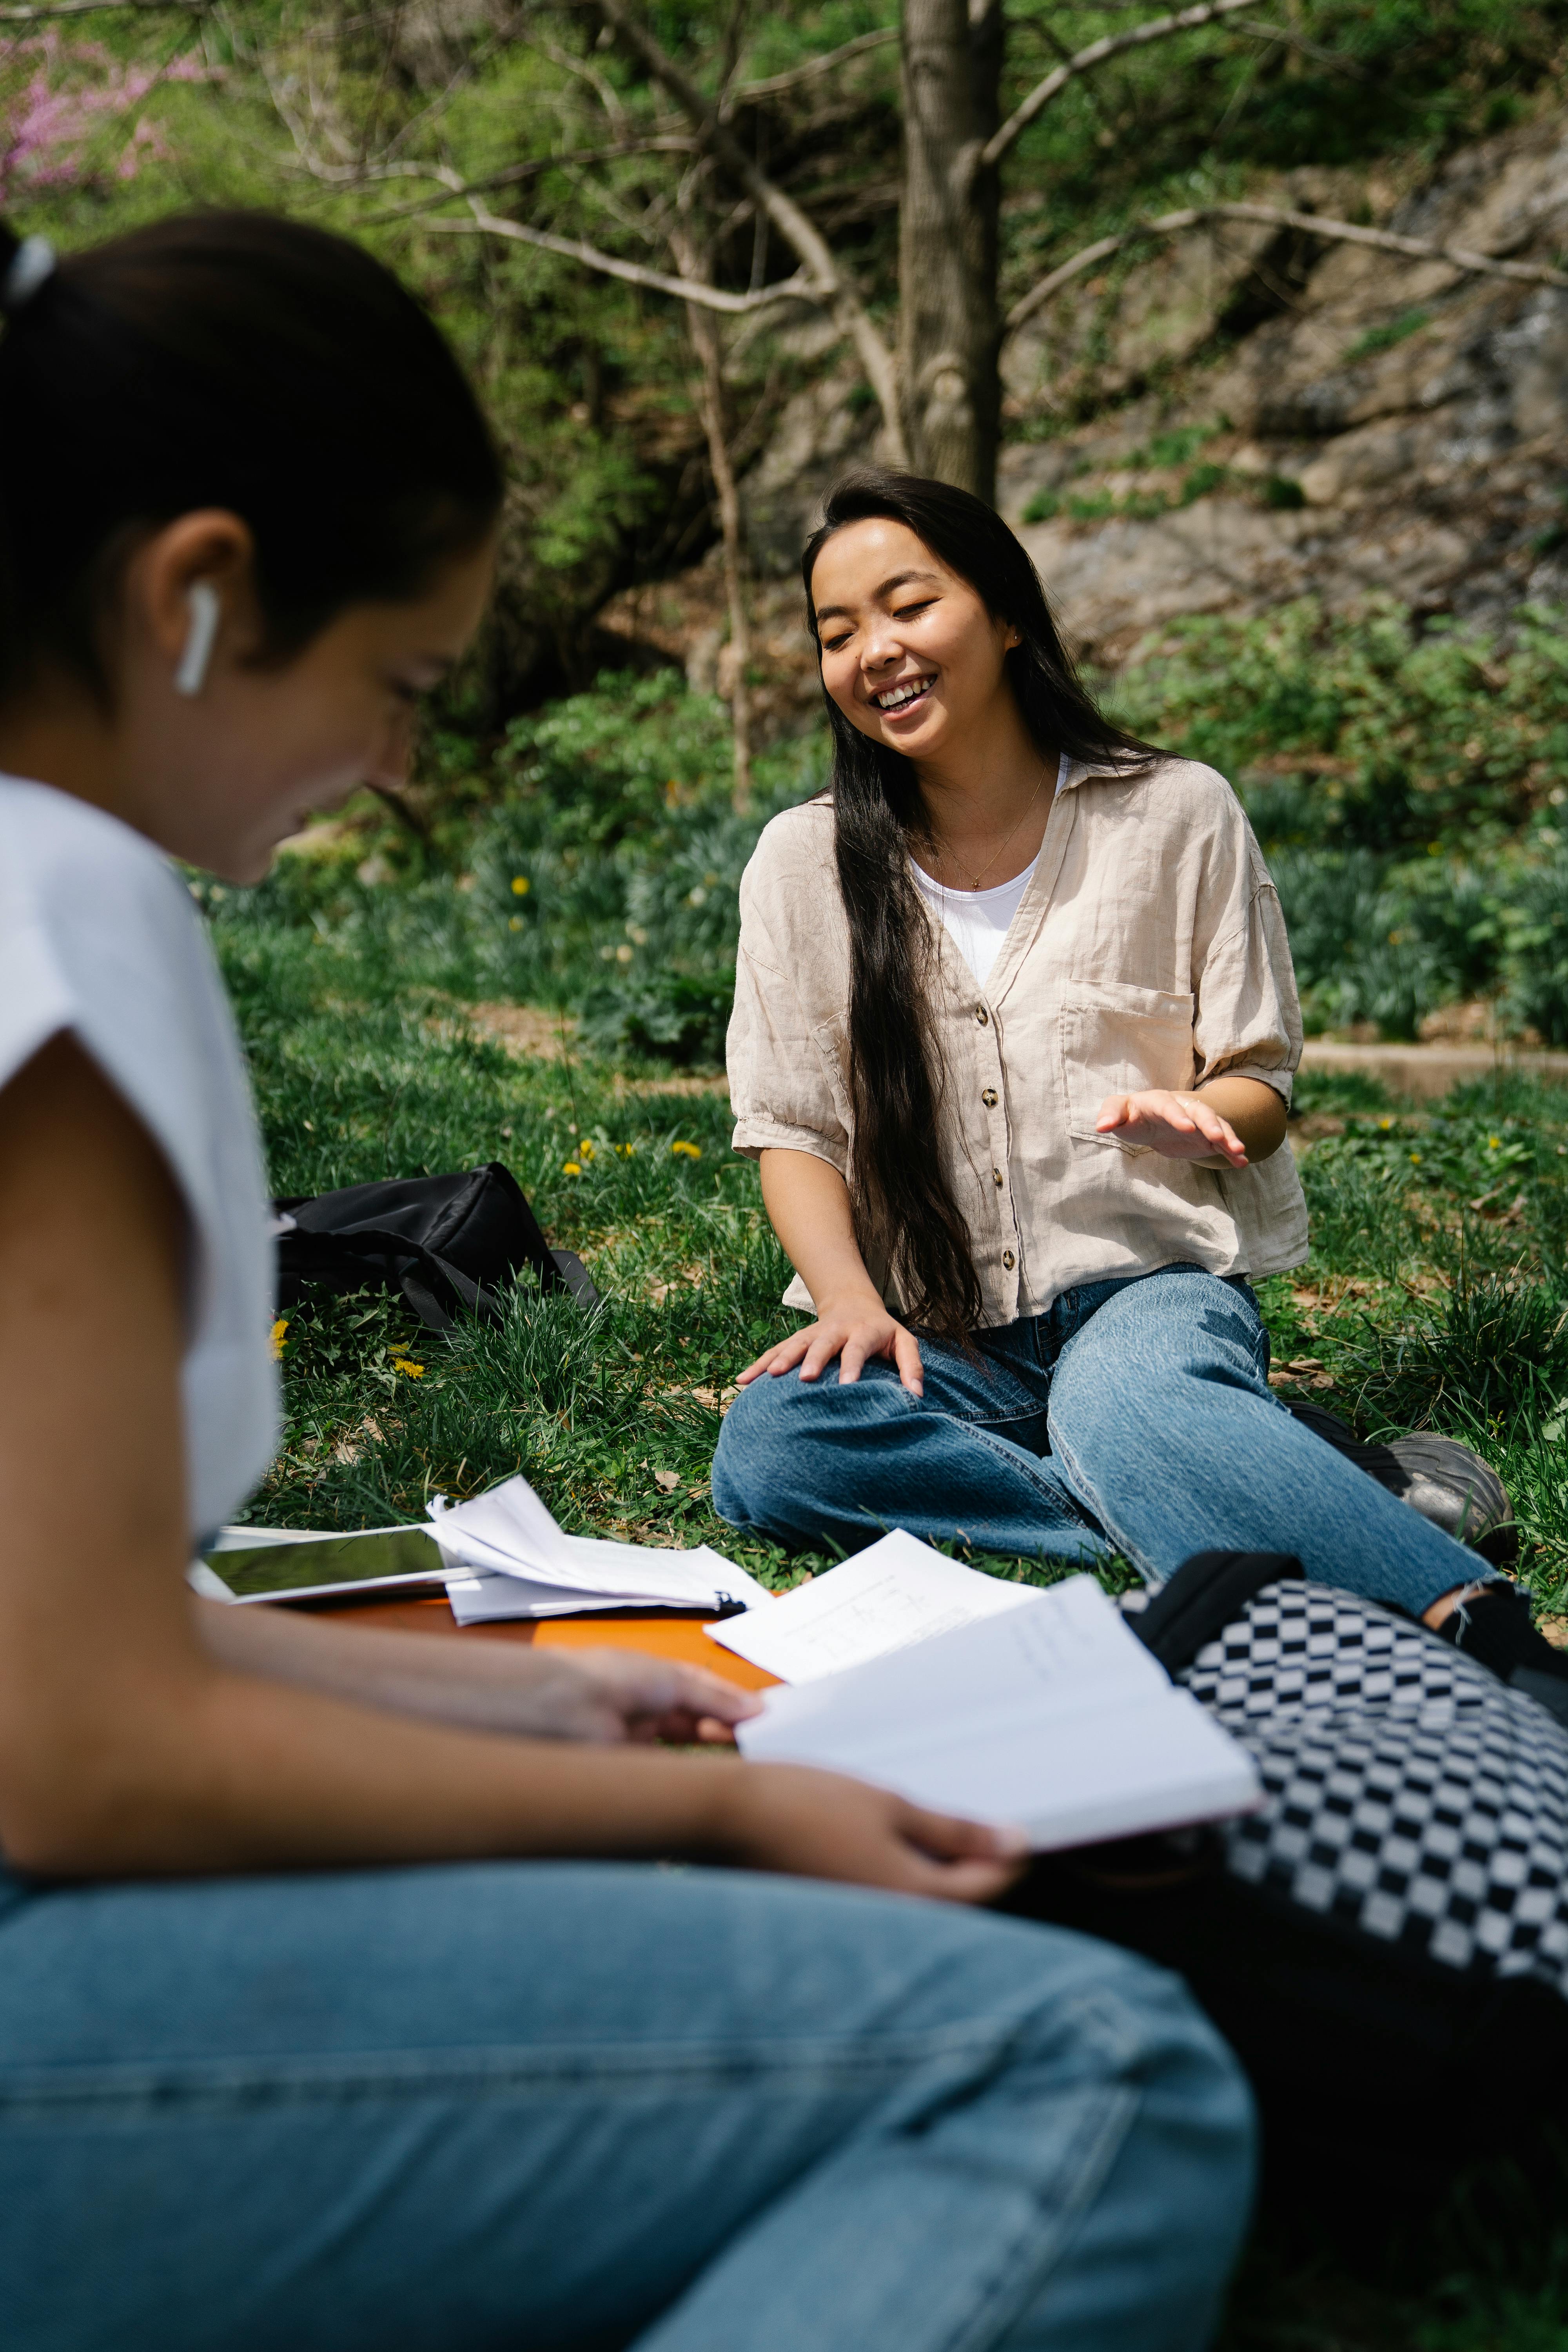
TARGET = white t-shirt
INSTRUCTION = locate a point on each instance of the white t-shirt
(99, 936)
(976, 920)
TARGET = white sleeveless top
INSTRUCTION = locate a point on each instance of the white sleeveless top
(99, 936)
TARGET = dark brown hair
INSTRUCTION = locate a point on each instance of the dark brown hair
(236, 360)
(905, 1213)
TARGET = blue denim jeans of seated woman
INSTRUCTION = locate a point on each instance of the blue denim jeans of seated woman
(470, 2107)
(1134, 1417)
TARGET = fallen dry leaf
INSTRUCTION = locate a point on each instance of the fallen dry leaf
(716, 1400)
(667, 1480)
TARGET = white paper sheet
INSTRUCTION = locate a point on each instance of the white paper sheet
(509, 1532)
(1051, 1716)
(896, 1592)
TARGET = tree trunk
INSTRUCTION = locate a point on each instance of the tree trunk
(949, 330)
(705, 341)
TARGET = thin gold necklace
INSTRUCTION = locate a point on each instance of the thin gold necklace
(942, 850)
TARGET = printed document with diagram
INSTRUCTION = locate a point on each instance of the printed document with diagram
(1049, 1715)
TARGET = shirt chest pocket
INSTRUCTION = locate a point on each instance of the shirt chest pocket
(1117, 1039)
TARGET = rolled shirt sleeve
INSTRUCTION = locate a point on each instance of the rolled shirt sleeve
(787, 1086)
(1247, 1018)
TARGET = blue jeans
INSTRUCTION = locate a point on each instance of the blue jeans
(468, 2107)
(1135, 1417)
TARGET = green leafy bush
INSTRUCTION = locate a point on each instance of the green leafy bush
(608, 877)
(1402, 781)
(1357, 730)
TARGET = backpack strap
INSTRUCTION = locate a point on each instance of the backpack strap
(1207, 1594)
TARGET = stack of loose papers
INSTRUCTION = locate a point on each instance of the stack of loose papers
(897, 1591)
(506, 1557)
(1049, 1715)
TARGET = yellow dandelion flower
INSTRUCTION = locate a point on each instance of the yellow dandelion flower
(514, 922)
(1415, 1160)
(277, 1330)
(410, 1370)
(625, 1150)
(688, 1150)
(570, 1168)
(585, 1148)
(521, 886)
(1494, 1143)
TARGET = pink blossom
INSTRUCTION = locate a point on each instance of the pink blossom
(76, 88)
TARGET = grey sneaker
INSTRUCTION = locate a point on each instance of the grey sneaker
(1437, 1476)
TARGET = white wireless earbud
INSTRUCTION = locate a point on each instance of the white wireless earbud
(207, 611)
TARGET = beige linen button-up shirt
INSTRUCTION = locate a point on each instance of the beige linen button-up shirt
(1148, 951)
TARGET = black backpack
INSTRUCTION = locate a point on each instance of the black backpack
(1385, 1943)
(446, 1243)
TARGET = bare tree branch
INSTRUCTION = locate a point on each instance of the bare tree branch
(825, 280)
(1334, 232)
(1113, 45)
(1283, 35)
(601, 85)
(534, 167)
(348, 169)
(609, 265)
(443, 99)
(776, 85)
(32, 16)
(696, 262)
(729, 66)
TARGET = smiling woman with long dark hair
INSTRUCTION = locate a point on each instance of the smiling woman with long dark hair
(1014, 1036)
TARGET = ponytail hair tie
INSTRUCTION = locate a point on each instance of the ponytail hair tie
(31, 265)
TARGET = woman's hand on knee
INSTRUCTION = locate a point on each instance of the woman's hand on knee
(853, 1332)
(812, 1824)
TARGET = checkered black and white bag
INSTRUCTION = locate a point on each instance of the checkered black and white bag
(1385, 1942)
(1412, 1798)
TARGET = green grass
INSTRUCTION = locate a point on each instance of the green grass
(1436, 1294)
(1384, 338)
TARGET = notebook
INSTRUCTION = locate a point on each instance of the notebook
(1049, 1717)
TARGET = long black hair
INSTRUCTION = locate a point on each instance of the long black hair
(233, 360)
(905, 1213)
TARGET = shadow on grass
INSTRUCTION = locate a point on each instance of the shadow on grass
(1482, 2267)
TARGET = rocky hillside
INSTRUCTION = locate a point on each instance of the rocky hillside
(1242, 416)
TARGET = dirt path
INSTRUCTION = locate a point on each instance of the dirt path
(1428, 1071)
(533, 1033)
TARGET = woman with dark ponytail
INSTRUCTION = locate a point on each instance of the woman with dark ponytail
(1014, 1035)
(341, 2001)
